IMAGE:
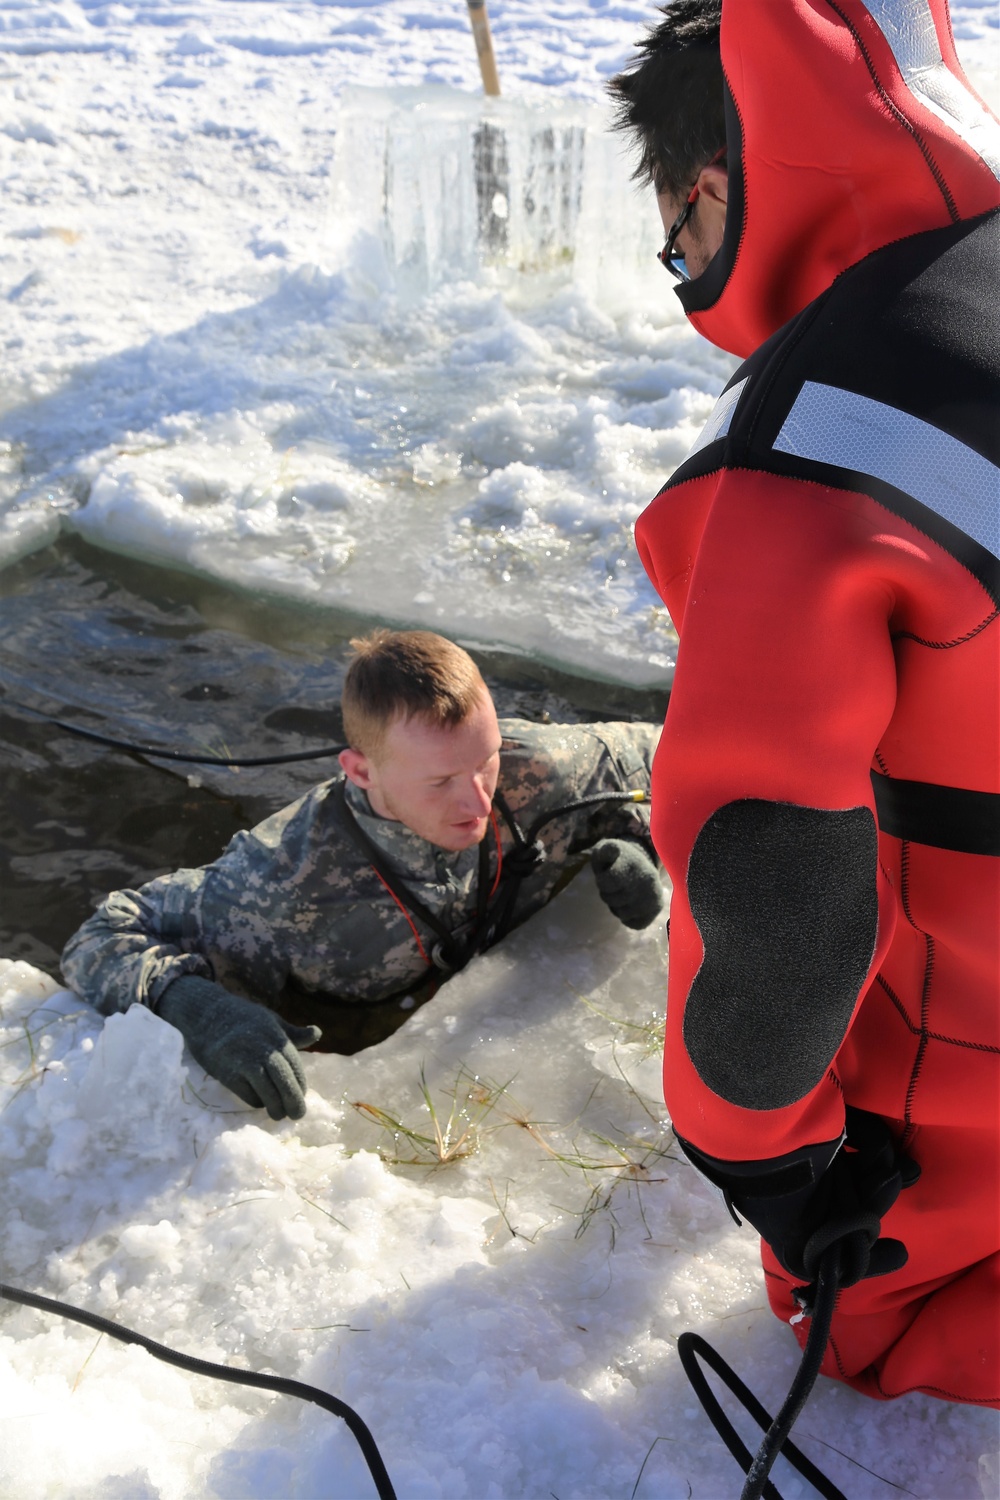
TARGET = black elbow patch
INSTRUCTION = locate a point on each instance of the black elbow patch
(786, 902)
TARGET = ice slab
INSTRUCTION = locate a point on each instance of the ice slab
(449, 182)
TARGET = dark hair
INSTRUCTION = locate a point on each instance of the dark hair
(671, 100)
(403, 674)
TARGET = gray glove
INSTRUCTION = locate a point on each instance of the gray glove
(246, 1047)
(628, 881)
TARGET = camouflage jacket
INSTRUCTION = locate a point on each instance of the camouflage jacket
(295, 904)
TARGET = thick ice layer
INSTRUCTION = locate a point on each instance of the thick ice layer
(451, 182)
(457, 462)
(444, 408)
(505, 1322)
(472, 460)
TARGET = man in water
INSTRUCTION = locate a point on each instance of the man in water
(444, 829)
(830, 555)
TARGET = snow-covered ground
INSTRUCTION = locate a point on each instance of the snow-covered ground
(221, 352)
(505, 1323)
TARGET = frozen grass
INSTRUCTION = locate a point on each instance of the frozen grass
(470, 1102)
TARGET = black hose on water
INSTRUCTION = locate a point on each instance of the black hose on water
(151, 750)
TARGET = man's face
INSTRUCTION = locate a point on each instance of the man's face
(701, 237)
(439, 782)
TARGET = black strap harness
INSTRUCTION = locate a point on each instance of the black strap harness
(495, 908)
(946, 817)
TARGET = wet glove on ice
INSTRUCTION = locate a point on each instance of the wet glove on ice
(246, 1047)
(628, 881)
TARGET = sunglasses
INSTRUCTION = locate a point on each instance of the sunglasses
(669, 255)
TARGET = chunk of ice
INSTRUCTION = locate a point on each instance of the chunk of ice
(138, 1057)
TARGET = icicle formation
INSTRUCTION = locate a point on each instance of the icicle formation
(448, 182)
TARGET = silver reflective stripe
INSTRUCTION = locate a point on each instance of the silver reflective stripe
(720, 421)
(853, 432)
(908, 27)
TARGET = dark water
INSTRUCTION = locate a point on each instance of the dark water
(155, 656)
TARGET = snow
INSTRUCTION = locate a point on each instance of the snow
(504, 1322)
(222, 352)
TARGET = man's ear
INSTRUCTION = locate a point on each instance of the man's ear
(713, 183)
(356, 768)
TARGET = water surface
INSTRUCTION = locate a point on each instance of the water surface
(163, 658)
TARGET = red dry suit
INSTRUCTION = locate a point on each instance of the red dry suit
(826, 794)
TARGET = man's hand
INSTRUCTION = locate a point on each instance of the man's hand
(805, 1202)
(862, 1183)
(628, 882)
(246, 1047)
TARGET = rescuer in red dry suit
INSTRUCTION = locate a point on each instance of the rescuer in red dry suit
(826, 791)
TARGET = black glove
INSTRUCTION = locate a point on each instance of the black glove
(249, 1049)
(821, 1195)
(628, 881)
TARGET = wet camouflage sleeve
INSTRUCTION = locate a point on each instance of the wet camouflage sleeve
(547, 766)
(290, 904)
(285, 901)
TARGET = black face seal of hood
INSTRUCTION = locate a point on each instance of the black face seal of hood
(705, 290)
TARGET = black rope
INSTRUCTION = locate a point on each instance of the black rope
(492, 921)
(151, 750)
(528, 851)
(322, 753)
(691, 1347)
(640, 798)
(366, 1442)
(827, 1289)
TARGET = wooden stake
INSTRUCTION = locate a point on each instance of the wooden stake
(484, 46)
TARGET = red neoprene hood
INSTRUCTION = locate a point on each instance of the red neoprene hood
(850, 124)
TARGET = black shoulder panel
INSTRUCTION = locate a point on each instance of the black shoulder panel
(785, 899)
(915, 325)
(888, 385)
